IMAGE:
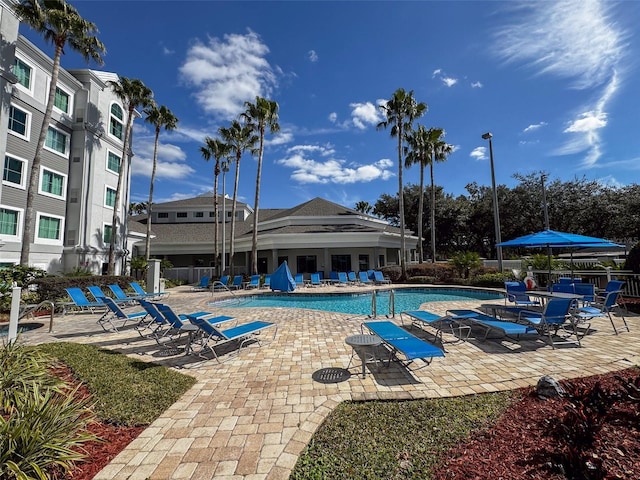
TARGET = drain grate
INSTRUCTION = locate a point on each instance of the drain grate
(331, 375)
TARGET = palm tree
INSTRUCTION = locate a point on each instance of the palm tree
(239, 138)
(216, 149)
(364, 207)
(259, 116)
(439, 150)
(400, 112)
(133, 94)
(158, 117)
(62, 25)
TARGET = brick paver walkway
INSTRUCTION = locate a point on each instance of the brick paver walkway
(251, 416)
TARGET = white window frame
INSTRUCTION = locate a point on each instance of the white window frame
(64, 183)
(18, 236)
(124, 125)
(106, 190)
(48, 241)
(23, 179)
(27, 135)
(67, 143)
(70, 103)
(31, 77)
(107, 161)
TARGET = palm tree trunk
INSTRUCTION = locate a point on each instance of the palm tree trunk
(420, 212)
(433, 215)
(34, 178)
(114, 219)
(233, 213)
(403, 263)
(216, 262)
(147, 245)
(256, 208)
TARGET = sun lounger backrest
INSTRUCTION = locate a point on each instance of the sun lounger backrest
(557, 309)
(152, 310)
(138, 288)
(79, 298)
(113, 306)
(363, 277)
(96, 292)
(169, 315)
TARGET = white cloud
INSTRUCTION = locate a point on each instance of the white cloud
(313, 56)
(449, 81)
(610, 181)
(167, 50)
(308, 169)
(476, 85)
(436, 72)
(280, 138)
(587, 122)
(364, 115)
(333, 116)
(534, 126)
(171, 161)
(227, 72)
(479, 153)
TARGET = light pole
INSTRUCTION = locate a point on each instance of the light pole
(496, 211)
(225, 169)
(543, 177)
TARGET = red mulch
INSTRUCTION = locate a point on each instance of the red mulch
(528, 442)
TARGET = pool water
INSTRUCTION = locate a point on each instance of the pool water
(22, 327)
(360, 303)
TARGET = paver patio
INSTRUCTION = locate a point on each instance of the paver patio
(251, 416)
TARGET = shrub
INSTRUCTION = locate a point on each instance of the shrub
(633, 259)
(464, 262)
(495, 279)
(53, 288)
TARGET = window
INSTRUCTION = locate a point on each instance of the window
(163, 215)
(9, 225)
(61, 100)
(49, 228)
(198, 214)
(181, 214)
(56, 141)
(116, 125)
(110, 197)
(341, 263)
(113, 162)
(212, 214)
(52, 183)
(13, 171)
(306, 264)
(23, 72)
(363, 263)
(19, 122)
(106, 234)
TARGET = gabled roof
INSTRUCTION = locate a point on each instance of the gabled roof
(201, 200)
(316, 207)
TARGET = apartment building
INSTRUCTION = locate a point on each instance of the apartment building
(80, 161)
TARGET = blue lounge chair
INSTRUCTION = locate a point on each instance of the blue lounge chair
(315, 280)
(299, 279)
(203, 285)
(267, 281)
(343, 281)
(492, 324)
(221, 284)
(96, 292)
(237, 282)
(563, 288)
(555, 318)
(517, 293)
(81, 301)
(422, 318)
(139, 291)
(213, 337)
(351, 276)
(115, 313)
(612, 286)
(399, 341)
(178, 320)
(120, 294)
(605, 309)
(364, 278)
(254, 282)
(157, 324)
(379, 279)
(588, 292)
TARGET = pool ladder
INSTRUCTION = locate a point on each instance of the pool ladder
(392, 305)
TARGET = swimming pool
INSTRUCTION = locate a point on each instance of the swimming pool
(360, 303)
(22, 327)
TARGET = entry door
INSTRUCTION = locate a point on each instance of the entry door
(262, 265)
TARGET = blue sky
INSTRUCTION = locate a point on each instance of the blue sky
(555, 82)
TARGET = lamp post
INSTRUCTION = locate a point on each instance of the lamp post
(225, 169)
(543, 177)
(496, 211)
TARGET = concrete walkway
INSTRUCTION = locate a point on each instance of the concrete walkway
(251, 416)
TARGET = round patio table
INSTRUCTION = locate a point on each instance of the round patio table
(364, 346)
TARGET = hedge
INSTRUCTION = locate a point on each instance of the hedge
(53, 288)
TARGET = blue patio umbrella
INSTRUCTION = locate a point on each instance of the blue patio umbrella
(552, 239)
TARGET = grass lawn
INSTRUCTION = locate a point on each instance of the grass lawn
(125, 391)
(403, 439)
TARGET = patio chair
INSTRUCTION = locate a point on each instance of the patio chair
(120, 294)
(213, 337)
(139, 291)
(315, 280)
(588, 292)
(221, 284)
(364, 278)
(299, 279)
(157, 324)
(114, 313)
(80, 300)
(423, 318)
(517, 293)
(555, 318)
(605, 309)
(343, 280)
(491, 324)
(178, 320)
(612, 286)
(203, 285)
(267, 281)
(254, 282)
(563, 288)
(96, 292)
(398, 341)
(353, 280)
(237, 283)
(379, 278)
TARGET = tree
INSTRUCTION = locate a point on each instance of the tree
(364, 207)
(239, 138)
(259, 116)
(133, 94)
(418, 153)
(137, 208)
(440, 150)
(158, 117)
(216, 149)
(400, 112)
(61, 25)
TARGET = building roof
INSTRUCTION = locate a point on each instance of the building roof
(201, 200)
(317, 207)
